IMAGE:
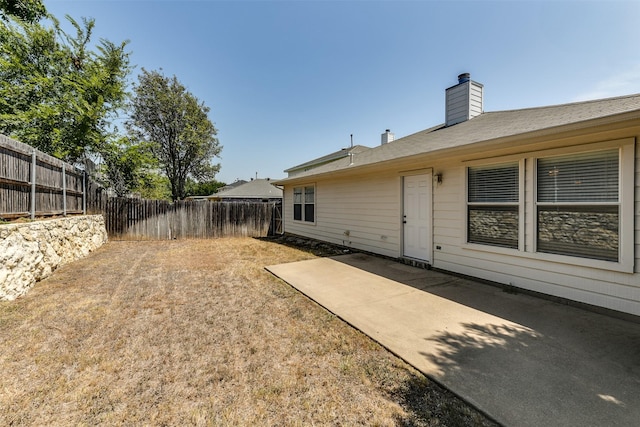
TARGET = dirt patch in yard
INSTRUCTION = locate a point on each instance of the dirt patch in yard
(196, 332)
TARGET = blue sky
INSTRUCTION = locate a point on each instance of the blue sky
(288, 81)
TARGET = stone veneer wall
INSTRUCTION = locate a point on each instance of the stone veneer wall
(32, 251)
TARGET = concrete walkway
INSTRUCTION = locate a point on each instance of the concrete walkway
(524, 361)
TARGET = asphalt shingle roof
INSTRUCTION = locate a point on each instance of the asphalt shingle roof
(329, 157)
(255, 189)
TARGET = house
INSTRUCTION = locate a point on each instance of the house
(342, 153)
(260, 190)
(225, 188)
(234, 184)
(545, 199)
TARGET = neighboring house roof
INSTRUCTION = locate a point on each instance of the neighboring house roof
(327, 159)
(254, 189)
(490, 126)
(232, 185)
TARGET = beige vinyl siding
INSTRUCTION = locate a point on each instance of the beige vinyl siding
(361, 213)
(370, 207)
(610, 290)
(447, 196)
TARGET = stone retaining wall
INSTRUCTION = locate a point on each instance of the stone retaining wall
(32, 251)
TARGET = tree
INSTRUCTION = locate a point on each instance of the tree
(177, 126)
(202, 188)
(126, 166)
(154, 186)
(55, 93)
(26, 10)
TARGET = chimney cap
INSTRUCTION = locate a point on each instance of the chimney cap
(464, 77)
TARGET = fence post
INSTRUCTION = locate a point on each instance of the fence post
(84, 192)
(64, 191)
(33, 184)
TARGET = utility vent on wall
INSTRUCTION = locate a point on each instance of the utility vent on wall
(464, 100)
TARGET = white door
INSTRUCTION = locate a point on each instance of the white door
(417, 217)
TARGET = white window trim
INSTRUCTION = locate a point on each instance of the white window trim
(315, 204)
(527, 250)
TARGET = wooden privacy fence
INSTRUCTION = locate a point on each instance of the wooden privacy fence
(139, 219)
(33, 183)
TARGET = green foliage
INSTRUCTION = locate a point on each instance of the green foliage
(203, 188)
(154, 186)
(177, 126)
(55, 93)
(126, 166)
(26, 10)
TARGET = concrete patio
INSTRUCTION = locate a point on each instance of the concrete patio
(523, 360)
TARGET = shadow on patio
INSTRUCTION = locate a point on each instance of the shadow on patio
(535, 362)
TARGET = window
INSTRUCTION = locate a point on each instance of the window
(573, 207)
(578, 205)
(304, 203)
(297, 203)
(493, 205)
(309, 204)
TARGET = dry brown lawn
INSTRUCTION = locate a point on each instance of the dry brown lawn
(196, 332)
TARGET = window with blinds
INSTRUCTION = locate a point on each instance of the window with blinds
(578, 206)
(493, 205)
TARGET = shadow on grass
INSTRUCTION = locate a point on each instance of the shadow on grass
(429, 404)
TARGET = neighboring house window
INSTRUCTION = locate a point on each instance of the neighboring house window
(493, 205)
(304, 203)
(578, 205)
